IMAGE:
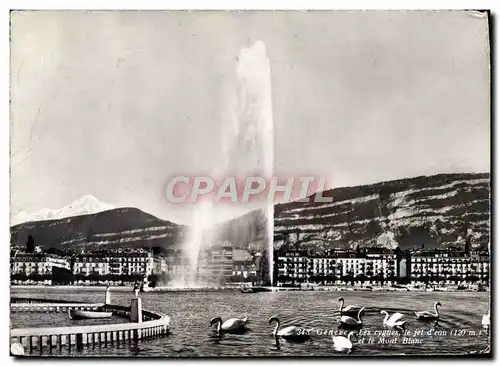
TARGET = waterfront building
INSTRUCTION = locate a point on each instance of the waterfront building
(322, 265)
(120, 263)
(36, 263)
(90, 264)
(243, 264)
(160, 265)
(351, 264)
(292, 267)
(216, 263)
(137, 262)
(381, 266)
(178, 267)
(449, 266)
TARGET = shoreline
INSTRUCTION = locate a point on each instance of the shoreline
(231, 289)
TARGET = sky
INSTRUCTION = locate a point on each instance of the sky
(115, 103)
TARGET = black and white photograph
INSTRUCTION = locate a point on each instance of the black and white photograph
(252, 183)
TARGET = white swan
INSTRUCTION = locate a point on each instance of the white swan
(427, 315)
(342, 344)
(486, 320)
(17, 349)
(290, 332)
(351, 309)
(394, 321)
(351, 322)
(230, 325)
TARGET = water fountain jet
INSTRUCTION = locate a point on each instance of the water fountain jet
(248, 147)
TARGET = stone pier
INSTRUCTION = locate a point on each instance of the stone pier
(145, 325)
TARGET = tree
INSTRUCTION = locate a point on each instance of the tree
(361, 277)
(439, 279)
(154, 279)
(19, 277)
(38, 277)
(391, 278)
(80, 277)
(455, 278)
(379, 277)
(404, 280)
(62, 276)
(284, 279)
(472, 278)
(331, 278)
(424, 279)
(349, 277)
(430, 275)
(30, 245)
(317, 279)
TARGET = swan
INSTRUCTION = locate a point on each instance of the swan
(427, 315)
(290, 332)
(230, 325)
(394, 321)
(486, 320)
(341, 343)
(17, 349)
(351, 322)
(351, 309)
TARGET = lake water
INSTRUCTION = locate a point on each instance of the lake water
(459, 330)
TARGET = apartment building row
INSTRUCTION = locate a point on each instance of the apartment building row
(377, 265)
(220, 261)
(39, 263)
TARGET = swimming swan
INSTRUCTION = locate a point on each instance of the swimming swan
(230, 325)
(290, 332)
(351, 322)
(351, 309)
(394, 321)
(342, 344)
(486, 320)
(427, 315)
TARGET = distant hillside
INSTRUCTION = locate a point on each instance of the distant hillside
(116, 228)
(435, 211)
(245, 231)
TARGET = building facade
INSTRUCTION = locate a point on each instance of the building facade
(292, 266)
(449, 266)
(36, 263)
(216, 263)
(90, 264)
(160, 265)
(114, 263)
(375, 266)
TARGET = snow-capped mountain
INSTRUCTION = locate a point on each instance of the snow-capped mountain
(86, 205)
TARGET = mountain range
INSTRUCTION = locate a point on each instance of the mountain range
(86, 205)
(431, 211)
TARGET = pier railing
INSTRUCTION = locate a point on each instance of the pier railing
(151, 325)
